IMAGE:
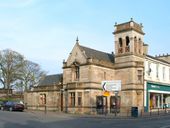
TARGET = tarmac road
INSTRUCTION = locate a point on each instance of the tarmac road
(61, 120)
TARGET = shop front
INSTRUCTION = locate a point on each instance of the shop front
(157, 96)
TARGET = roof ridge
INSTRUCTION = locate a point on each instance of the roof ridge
(54, 74)
(95, 49)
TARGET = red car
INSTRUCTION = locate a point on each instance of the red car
(12, 106)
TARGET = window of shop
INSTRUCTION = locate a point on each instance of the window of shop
(156, 100)
(79, 98)
(72, 99)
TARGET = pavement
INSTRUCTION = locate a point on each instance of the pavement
(99, 116)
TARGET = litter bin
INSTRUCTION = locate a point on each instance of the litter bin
(134, 111)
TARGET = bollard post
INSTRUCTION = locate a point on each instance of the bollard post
(45, 109)
(158, 111)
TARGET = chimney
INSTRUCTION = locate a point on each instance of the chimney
(145, 49)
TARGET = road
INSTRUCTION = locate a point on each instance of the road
(59, 120)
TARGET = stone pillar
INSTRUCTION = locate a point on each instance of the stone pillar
(158, 101)
(148, 100)
(116, 47)
(132, 45)
(162, 100)
(124, 45)
(141, 47)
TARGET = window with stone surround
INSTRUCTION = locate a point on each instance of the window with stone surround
(77, 73)
(157, 70)
(42, 100)
(120, 49)
(149, 69)
(127, 48)
(79, 98)
(163, 71)
(140, 76)
(72, 99)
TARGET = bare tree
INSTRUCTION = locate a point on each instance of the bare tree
(18, 73)
(31, 75)
(11, 66)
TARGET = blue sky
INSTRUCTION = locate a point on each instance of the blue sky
(45, 31)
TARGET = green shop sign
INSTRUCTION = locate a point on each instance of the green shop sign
(158, 87)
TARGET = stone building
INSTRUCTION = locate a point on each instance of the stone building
(46, 95)
(145, 80)
(86, 68)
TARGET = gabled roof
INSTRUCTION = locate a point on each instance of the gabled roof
(50, 80)
(99, 55)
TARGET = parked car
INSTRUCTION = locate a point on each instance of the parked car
(12, 106)
(2, 104)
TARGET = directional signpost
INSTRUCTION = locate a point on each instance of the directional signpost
(114, 85)
(111, 86)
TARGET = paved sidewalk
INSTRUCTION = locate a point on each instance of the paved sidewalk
(50, 114)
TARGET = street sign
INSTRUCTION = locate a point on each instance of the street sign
(106, 93)
(114, 85)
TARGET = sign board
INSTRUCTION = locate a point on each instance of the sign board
(114, 85)
(106, 93)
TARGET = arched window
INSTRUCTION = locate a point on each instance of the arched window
(120, 49)
(127, 48)
(76, 71)
(120, 42)
(127, 41)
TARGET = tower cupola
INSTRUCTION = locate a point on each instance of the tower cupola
(128, 38)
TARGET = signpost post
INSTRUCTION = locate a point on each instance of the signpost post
(116, 95)
(112, 86)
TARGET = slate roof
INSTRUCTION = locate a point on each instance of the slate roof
(50, 80)
(99, 55)
(157, 58)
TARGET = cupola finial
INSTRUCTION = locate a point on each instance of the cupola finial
(77, 40)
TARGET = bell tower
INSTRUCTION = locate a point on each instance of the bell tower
(129, 63)
(128, 38)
